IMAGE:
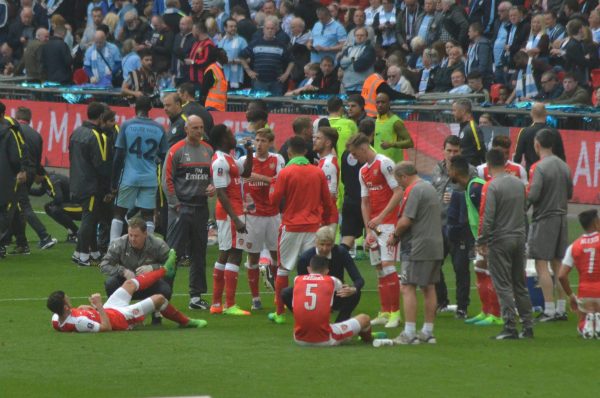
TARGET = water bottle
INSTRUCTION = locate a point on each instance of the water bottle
(374, 253)
(379, 335)
(382, 342)
(249, 203)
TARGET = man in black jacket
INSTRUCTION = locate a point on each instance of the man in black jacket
(182, 45)
(56, 58)
(454, 21)
(60, 209)
(12, 173)
(472, 144)
(90, 180)
(345, 300)
(33, 143)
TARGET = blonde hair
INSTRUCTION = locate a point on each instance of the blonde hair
(325, 234)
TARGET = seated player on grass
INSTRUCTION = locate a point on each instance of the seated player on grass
(313, 295)
(118, 313)
(584, 254)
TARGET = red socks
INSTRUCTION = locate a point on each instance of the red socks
(218, 283)
(173, 314)
(487, 294)
(231, 277)
(281, 282)
(253, 276)
(148, 279)
(392, 285)
(492, 298)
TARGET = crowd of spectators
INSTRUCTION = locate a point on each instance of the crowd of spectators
(507, 51)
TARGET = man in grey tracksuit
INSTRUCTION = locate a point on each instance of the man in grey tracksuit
(502, 239)
(550, 187)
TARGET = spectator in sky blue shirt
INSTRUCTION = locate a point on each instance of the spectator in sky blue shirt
(99, 69)
(328, 36)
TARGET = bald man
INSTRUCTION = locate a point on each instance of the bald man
(525, 140)
(100, 69)
(31, 63)
(391, 136)
(188, 185)
(21, 31)
(182, 45)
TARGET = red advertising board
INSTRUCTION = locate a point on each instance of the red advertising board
(55, 122)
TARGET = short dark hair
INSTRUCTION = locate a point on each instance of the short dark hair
(460, 164)
(334, 104)
(143, 105)
(328, 59)
(2, 108)
(259, 103)
(107, 115)
(495, 158)
(95, 110)
(380, 66)
(256, 115)
(23, 113)
(96, 9)
(366, 126)
(357, 99)
(56, 302)
(319, 264)
(452, 140)
(502, 141)
(217, 134)
(574, 26)
(200, 26)
(331, 134)
(221, 56)
(569, 75)
(545, 137)
(477, 27)
(144, 52)
(137, 222)
(474, 75)
(239, 10)
(229, 20)
(187, 88)
(297, 145)
(587, 218)
(301, 123)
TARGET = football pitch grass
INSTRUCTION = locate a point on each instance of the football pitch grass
(251, 357)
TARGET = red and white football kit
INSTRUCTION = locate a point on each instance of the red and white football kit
(329, 165)
(263, 218)
(88, 320)
(510, 167)
(226, 173)
(313, 297)
(303, 189)
(584, 254)
(377, 182)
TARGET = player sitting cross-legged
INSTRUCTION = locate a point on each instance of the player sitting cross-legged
(118, 313)
(313, 295)
(584, 254)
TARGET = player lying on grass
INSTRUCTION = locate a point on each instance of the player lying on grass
(313, 296)
(584, 254)
(118, 313)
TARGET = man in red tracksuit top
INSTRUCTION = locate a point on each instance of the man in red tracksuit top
(302, 193)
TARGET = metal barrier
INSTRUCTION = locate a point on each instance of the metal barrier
(427, 108)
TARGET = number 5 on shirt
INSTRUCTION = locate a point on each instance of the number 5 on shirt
(309, 306)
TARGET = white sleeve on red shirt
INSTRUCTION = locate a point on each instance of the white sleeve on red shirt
(522, 174)
(331, 175)
(568, 259)
(387, 170)
(481, 171)
(280, 163)
(337, 283)
(240, 164)
(86, 325)
(364, 191)
(220, 173)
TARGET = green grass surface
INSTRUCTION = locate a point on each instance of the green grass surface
(250, 357)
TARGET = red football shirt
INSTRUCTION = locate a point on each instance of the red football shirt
(259, 191)
(584, 254)
(377, 182)
(313, 297)
(226, 174)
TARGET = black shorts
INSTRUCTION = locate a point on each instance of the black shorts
(352, 221)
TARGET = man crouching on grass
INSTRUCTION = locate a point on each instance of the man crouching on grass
(118, 313)
(313, 296)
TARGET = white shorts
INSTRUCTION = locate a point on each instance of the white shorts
(388, 254)
(292, 245)
(262, 232)
(228, 236)
(120, 300)
(340, 333)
